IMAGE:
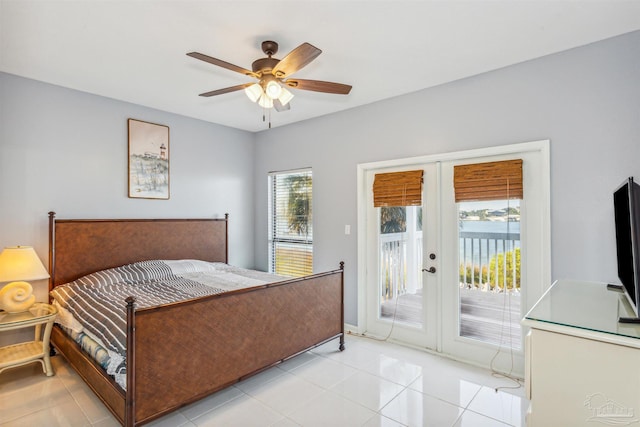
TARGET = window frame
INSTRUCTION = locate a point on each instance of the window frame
(298, 266)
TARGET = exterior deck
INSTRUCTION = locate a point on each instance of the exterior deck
(487, 316)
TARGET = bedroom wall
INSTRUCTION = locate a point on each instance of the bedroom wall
(66, 151)
(585, 100)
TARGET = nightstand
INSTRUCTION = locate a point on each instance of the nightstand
(33, 351)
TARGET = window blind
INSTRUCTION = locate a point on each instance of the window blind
(291, 234)
(488, 181)
(398, 189)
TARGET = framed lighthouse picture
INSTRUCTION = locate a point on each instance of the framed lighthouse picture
(148, 160)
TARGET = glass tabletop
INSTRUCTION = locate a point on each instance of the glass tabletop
(585, 305)
(36, 312)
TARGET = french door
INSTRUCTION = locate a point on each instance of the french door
(455, 277)
(402, 300)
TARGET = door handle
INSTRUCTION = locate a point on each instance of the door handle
(429, 270)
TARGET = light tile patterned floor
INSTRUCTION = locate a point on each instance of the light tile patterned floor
(370, 384)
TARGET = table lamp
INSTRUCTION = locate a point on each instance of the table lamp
(18, 264)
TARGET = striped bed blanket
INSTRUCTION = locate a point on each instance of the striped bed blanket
(94, 305)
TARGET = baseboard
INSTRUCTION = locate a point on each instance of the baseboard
(351, 329)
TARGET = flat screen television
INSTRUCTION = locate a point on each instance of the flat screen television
(626, 201)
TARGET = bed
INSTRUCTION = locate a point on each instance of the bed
(181, 352)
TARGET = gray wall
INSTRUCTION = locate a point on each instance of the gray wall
(586, 101)
(66, 151)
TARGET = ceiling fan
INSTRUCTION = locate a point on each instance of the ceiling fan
(273, 76)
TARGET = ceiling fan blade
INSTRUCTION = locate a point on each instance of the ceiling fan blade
(319, 86)
(221, 63)
(226, 90)
(296, 59)
(279, 107)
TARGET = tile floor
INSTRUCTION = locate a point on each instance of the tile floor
(370, 384)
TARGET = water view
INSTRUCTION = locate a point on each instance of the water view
(489, 273)
(482, 240)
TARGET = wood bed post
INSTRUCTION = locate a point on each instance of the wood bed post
(52, 267)
(130, 401)
(226, 238)
(341, 348)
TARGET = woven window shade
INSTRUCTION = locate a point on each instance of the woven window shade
(488, 181)
(398, 189)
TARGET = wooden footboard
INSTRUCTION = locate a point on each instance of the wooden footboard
(206, 345)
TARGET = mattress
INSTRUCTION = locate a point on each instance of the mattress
(92, 309)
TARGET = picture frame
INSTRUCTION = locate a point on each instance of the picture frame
(148, 160)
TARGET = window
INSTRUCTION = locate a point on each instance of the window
(489, 271)
(488, 197)
(400, 263)
(291, 225)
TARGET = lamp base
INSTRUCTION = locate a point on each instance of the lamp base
(17, 297)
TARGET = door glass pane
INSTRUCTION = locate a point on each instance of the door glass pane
(489, 271)
(400, 261)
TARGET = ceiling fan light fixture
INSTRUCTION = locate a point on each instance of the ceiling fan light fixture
(265, 101)
(285, 96)
(254, 92)
(273, 89)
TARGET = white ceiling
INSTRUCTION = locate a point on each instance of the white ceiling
(135, 51)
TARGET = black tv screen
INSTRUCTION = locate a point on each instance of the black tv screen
(626, 201)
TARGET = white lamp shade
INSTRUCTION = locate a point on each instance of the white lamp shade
(21, 263)
(285, 96)
(273, 89)
(265, 101)
(254, 92)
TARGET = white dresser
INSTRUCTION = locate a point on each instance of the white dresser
(582, 367)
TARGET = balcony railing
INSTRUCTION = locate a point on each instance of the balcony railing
(396, 257)
(488, 261)
(483, 257)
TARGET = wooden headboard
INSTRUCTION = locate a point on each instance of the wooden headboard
(78, 247)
